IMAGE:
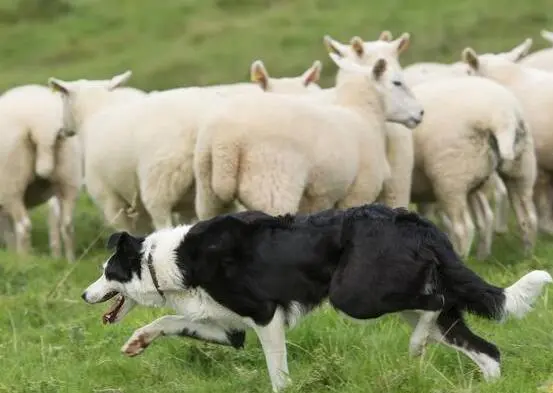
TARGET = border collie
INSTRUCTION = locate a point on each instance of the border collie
(252, 270)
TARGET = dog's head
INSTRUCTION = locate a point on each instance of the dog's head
(122, 276)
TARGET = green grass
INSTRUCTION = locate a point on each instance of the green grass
(50, 341)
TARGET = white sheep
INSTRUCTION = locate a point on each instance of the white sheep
(541, 59)
(84, 98)
(399, 140)
(138, 161)
(454, 158)
(479, 205)
(283, 154)
(420, 72)
(38, 163)
(533, 89)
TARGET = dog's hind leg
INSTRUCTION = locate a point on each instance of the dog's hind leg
(422, 332)
(273, 341)
(451, 330)
(177, 325)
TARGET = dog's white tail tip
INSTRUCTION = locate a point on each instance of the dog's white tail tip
(520, 296)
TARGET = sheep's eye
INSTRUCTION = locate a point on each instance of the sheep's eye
(397, 83)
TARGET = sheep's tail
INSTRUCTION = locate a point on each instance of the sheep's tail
(216, 173)
(469, 292)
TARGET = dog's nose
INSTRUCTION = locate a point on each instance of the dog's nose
(422, 113)
(83, 296)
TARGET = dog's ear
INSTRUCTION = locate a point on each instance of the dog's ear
(125, 241)
(114, 239)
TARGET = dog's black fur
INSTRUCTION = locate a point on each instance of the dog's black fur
(368, 261)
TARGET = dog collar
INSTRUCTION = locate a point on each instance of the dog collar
(150, 264)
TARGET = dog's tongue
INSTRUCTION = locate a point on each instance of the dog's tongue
(111, 314)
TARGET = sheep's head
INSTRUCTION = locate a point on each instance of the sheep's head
(495, 65)
(399, 102)
(368, 52)
(304, 83)
(83, 97)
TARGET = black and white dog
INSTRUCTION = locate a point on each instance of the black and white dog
(252, 270)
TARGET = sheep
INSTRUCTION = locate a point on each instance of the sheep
(39, 162)
(542, 59)
(532, 88)
(83, 98)
(399, 140)
(420, 72)
(282, 154)
(454, 158)
(145, 172)
(479, 205)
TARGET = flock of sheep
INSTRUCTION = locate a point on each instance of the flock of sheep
(447, 137)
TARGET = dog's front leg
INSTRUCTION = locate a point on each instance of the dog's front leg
(273, 341)
(173, 325)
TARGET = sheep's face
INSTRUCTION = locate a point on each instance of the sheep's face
(305, 83)
(380, 60)
(386, 78)
(399, 101)
(81, 97)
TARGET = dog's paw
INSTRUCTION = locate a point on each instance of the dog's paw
(417, 346)
(136, 345)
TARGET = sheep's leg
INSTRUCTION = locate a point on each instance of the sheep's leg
(427, 210)
(22, 223)
(162, 217)
(165, 187)
(115, 216)
(462, 227)
(501, 215)
(525, 212)
(543, 203)
(54, 224)
(114, 208)
(483, 215)
(67, 200)
(400, 155)
(6, 230)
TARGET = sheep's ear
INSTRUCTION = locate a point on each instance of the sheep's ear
(379, 69)
(470, 57)
(346, 64)
(386, 35)
(357, 45)
(547, 35)
(59, 86)
(520, 51)
(313, 74)
(259, 74)
(333, 46)
(402, 43)
(119, 80)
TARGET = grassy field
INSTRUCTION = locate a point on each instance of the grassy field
(51, 341)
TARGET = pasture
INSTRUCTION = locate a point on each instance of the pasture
(51, 341)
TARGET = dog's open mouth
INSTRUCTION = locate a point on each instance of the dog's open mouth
(111, 315)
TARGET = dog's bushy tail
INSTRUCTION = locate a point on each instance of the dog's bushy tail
(471, 293)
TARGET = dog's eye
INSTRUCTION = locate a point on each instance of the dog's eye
(397, 83)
